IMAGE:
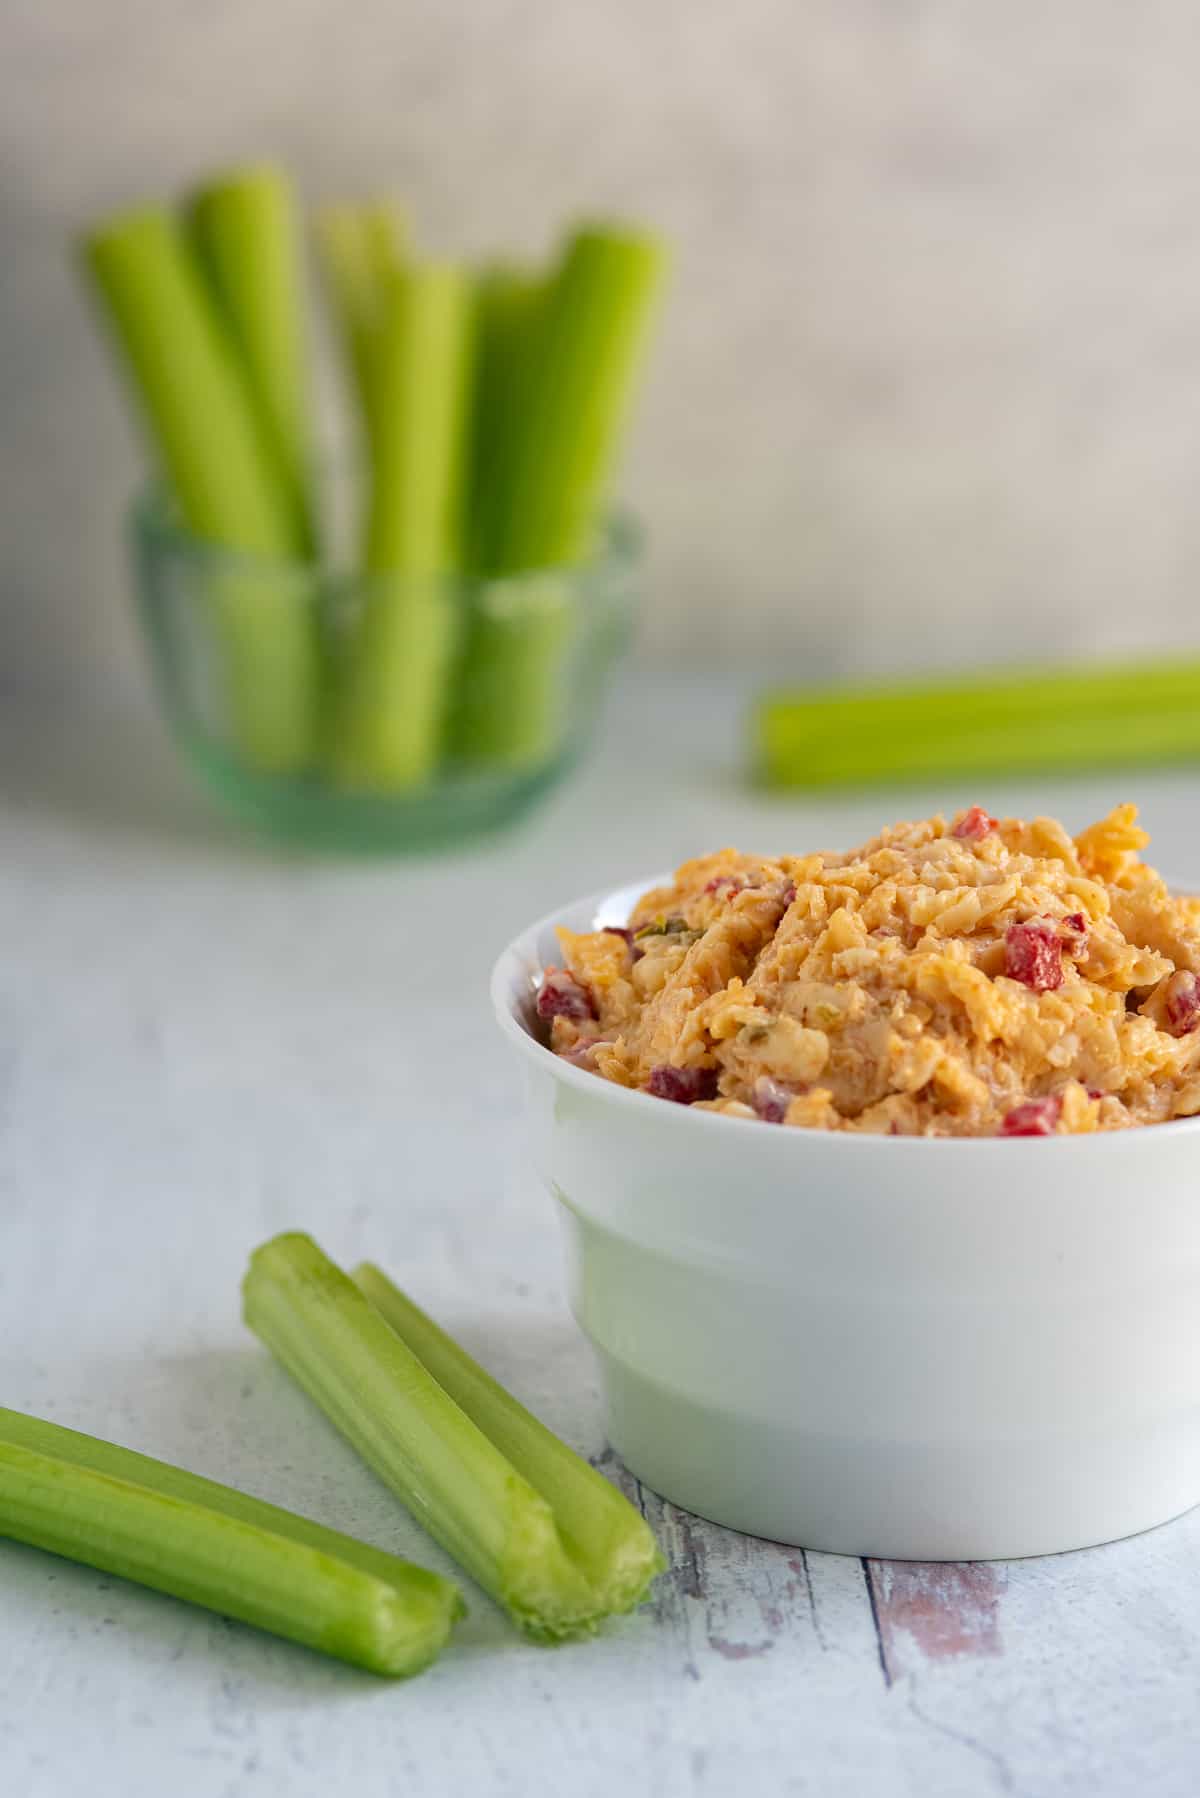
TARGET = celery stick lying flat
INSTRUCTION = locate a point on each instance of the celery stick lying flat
(1066, 719)
(603, 1532)
(127, 1514)
(520, 1545)
(245, 228)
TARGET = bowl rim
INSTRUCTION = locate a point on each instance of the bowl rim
(524, 946)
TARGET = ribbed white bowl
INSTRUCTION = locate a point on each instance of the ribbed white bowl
(934, 1350)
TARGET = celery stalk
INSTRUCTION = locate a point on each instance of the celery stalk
(601, 1529)
(507, 689)
(187, 382)
(509, 304)
(456, 1481)
(202, 427)
(542, 505)
(1068, 719)
(246, 231)
(360, 249)
(593, 326)
(146, 1521)
(391, 704)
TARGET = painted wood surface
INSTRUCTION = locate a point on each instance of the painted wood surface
(201, 1043)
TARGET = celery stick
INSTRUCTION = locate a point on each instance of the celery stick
(391, 704)
(541, 508)
(602, 1531)
(1069, 719)
(597, 309)
(513, 695)
(146, 1521)
(509, 303)
(360, 249)
(202, 427)
(455, 1481)
(188, 383)
(246, 231)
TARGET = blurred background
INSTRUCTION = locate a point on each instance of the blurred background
(927, 388)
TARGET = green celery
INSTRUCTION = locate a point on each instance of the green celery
(509, 304)
(360, 249)
(178, 1533)
(540, 511)
(1072, 719)
(507, 685)
(602, 1531)
(246, 232)
(202, 425)
(593, 325)
(390, 710)
(456, 1481)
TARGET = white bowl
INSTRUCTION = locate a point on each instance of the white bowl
(920, 1349)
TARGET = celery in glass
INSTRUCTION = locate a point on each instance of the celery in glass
(246, 230)
(202, 426)
(360, 250)
(392, 677)
(540, 511)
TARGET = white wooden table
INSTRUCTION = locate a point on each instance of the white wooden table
(202, 1043)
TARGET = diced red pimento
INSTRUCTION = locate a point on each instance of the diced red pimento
(772, 1098)
(1073, 931)
(562, 996)
(683, 1086)
(720, 882)
(1033, 955)
(975, 824)
(1034, 1117)
(1182, 1003)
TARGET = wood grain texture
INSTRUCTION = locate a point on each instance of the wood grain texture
(202, 1043)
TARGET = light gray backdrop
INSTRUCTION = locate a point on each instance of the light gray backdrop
(929, 383)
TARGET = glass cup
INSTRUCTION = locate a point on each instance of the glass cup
(377, 711)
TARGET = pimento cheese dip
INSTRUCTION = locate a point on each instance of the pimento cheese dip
(977, 977)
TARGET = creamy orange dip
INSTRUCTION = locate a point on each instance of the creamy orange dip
(966, 978)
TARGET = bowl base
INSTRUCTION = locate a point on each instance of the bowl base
(307, 812)
(901, 1501)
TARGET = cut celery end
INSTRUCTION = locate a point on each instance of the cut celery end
(424, 1445)
(130, 1515)
(604, 1533)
